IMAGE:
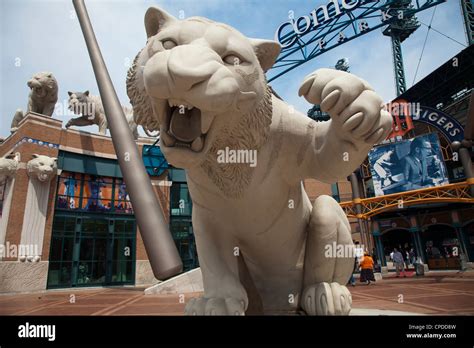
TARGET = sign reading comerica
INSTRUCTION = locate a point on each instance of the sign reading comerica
(318, 16)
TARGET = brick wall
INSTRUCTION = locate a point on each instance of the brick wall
(316, 188)
(49, 130)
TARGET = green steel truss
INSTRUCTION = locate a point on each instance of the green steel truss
(468, 13)
(399, 30)
(368, 16)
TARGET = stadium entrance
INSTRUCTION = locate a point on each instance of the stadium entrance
(94, 233)
(399, 238)
(442, 246)
(469, 239)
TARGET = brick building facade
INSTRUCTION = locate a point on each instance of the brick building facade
(42, 135)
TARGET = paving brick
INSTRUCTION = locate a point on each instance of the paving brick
(431, 295)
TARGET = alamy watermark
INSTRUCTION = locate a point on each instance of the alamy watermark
(37, 331)
(65, 108)
(403, 108)
(8, 250)
(335, 250)
(237, 156)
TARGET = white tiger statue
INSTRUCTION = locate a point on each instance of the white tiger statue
(42, 98)
(92, 112)
(261, 243)
(42, 167)
(8, 166)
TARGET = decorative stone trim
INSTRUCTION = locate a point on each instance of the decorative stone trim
(41, 169)
(29, 140)
(8, 169)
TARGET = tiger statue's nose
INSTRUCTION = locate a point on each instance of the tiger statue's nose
(188, 65)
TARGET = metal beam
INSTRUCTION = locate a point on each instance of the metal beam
(370, 16)
(399, 70)
(368, 207)
(399, 30)
(468, 13)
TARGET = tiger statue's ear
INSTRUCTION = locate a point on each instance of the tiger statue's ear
(267, 52)
(35, 155)
(69, 93)
(86, 93)
(156, 19)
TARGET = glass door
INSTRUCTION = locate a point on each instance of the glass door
(92, 250)
(91, 262)
(121, 264)
(61, 252)
(107, 252)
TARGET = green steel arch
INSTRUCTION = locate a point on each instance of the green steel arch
(339, 21)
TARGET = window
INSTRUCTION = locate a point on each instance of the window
(97, 193)
(123, 246)
(82, 192)
(335, 192)
(180, 201)
(91, 250)
(69, 191)
(61, 254)
(182, 231)
(92, 254)
(94, 233)
(121, 198)
(181, 226)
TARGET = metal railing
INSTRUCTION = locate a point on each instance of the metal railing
(454, 193)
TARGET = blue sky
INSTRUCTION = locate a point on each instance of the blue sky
(44, 35)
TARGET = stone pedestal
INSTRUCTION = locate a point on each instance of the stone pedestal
(16, 276)
(144, 273)
(187, 282)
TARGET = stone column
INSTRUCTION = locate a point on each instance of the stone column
(41, 170)
(415, 230)
(8, 168)
(356, 199)
(378, 243)
(462, 149)
(460, 234)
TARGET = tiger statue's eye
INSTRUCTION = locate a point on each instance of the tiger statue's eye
(232, 59)
(169, 44)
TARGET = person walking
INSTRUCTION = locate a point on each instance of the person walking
(412, 256)
(399, 262)
(357, 257)
(356, 266)
(367, 269)
(374, 255)
(406, 258)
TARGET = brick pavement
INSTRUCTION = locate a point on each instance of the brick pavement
(437, 293)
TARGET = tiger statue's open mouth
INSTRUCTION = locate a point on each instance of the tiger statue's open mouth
(184, 126)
